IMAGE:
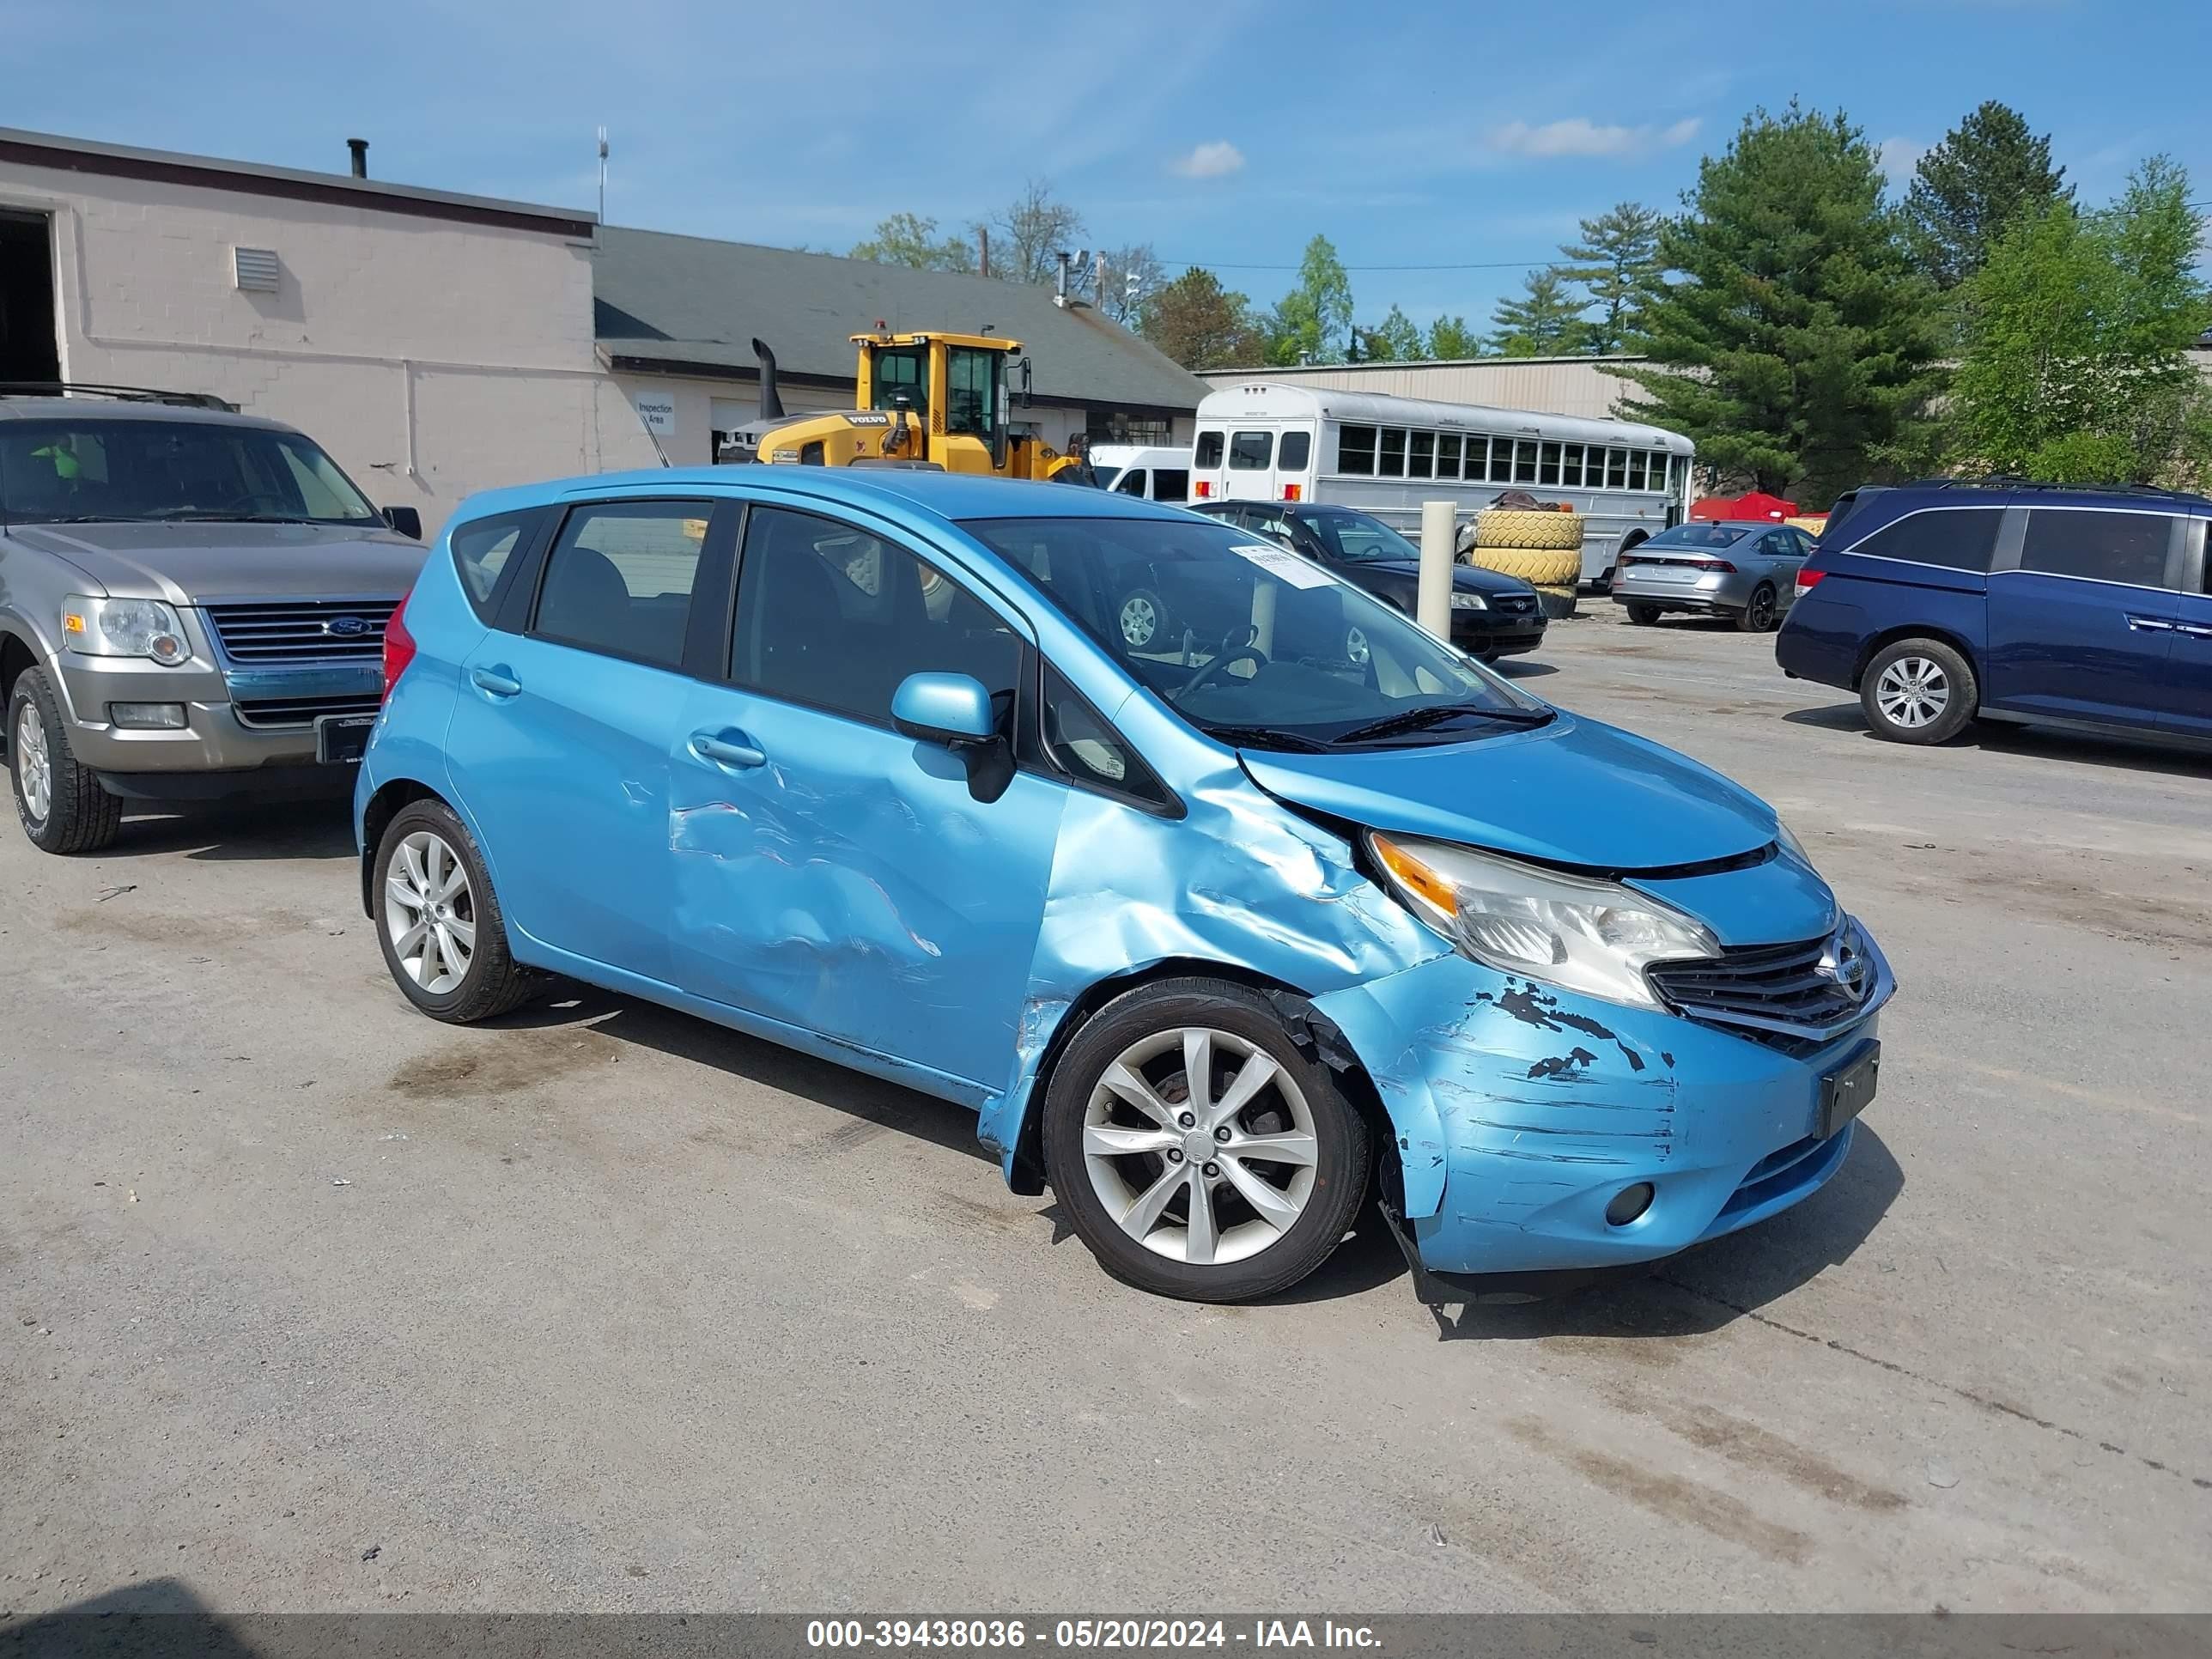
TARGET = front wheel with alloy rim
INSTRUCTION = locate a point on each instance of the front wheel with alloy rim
(62, 803)
(1195, 1149)
(1918, 691)
(439, 921)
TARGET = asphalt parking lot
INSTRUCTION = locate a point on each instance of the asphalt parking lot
(311, 1304)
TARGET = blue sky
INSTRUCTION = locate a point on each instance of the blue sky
(1227, 134)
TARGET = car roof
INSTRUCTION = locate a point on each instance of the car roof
(128, 409)
(2020, 492)
(947, 495)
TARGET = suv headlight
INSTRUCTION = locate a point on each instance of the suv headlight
(124, 628)
(1594, 937)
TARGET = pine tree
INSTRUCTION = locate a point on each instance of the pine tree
(1451, 340)
(1393, 340)
(1988, 172)
(1617, 263)
(1545, 320)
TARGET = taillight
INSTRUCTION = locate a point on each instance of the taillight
(398, 646)
(1626, 560)
(1722, 565)
(1204, 489)
(1290, 492)
(1808, 580)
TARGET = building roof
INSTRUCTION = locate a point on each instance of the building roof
(689, 304)
(47, 150)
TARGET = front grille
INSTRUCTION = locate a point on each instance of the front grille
(1514, 604)
(1803, 990)
(300, 711)
(300, 630)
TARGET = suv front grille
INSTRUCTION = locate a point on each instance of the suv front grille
(301, 630)
(300, 711)
(1807, 990)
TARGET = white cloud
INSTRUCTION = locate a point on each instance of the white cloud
(1578, 135)
(1899, 157)
(1212, 160)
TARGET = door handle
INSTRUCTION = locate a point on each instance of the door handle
(499, 681)
(727, 749)
(2149, 625)
(2195, 631)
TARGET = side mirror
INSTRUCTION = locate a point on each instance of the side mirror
(948, 709)
(404, 520)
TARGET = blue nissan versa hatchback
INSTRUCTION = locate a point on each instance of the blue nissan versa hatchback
(1941, 602)
(1208, 931)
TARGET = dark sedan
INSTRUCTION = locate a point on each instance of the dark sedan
(1492, 615)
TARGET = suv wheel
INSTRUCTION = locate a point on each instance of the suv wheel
(1918, 691)
(63, 805)
(1195, 1149)
(444, 939)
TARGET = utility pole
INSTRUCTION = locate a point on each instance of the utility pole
(603, 175)
(983, 236)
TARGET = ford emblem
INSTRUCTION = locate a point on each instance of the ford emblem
(345, 628)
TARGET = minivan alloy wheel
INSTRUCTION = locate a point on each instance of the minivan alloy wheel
(1913, 692)
(34, 765)
(1200, 1145)
(430, 912)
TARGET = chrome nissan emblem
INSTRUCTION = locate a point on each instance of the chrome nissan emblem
(1842, 963)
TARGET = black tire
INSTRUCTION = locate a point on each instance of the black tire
(493, 983)
(1898, 705)
(1141, 603)
(1643, 616)
(1759, 614)
(1339, 1137)
(79, 816)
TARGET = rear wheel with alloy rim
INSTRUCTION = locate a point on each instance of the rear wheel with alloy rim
(1918, 691)
(1196, 1150)
(444, 939)
(1644, 615)
(1759, 613)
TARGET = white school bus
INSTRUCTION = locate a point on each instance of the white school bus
(1263, 440)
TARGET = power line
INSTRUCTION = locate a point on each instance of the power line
(1485, 264)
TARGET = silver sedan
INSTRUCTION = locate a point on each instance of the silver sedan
(1745, 571)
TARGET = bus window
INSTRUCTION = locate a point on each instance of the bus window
(1636, 469)
(1209, 450)
(1616, 469)
(1393, 463)
(1525, 461)
(1355, 450)
(1447, 455)
(1548, 471)
(1571, 466)
(1250, 451)
(1501, 460)
(1421, 459)
(1298, 450)
(1658, 471)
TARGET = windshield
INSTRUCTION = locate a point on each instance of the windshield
(1251, 643)
(1355, 537)
(1103, 476)
(1703, 535)
(62, 472)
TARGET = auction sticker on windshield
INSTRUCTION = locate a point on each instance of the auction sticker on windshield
(1281, 561)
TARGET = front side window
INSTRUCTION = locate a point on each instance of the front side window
(1086, 749)
(1251, 452)
(1260, 647)
(1957, 538)
(901, 375)
(1208, 453)
(119, 471)
(971, 390)
(1131, 482)
(833, 617)
(619, 579)
(2128, 548)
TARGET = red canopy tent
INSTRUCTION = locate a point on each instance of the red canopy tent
(1751, 504)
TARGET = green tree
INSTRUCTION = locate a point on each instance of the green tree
(2074, 363)
(1393, 340)
(1799, 350)
(1201, 325)
(1312, 324)
(1989, 171)
(1616, 263)
(1544, 320)
(907, 239)
(1450, 339)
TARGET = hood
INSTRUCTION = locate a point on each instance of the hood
(202, 562)
(1575, 791)
(1465, 578)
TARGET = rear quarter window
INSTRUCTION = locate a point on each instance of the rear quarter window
(1950, 537)
(486, 549)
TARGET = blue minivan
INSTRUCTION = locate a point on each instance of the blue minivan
(1942, 602)
(1218, 935)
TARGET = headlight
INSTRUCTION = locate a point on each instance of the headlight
(1467, 602)
(124, 628)
(1594, 937)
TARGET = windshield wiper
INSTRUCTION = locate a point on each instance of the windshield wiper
(1265, 737)
(1435, 713)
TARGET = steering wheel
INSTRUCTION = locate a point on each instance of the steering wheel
(1214, 670)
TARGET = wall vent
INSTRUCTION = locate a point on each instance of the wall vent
(256, 269)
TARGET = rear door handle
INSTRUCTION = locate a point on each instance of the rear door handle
(497, 681)
(2195, 631)
(731, 748)
(2153, 625)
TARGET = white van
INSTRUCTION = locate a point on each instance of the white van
(1156, 474)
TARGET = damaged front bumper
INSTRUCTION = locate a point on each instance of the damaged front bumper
(1524, 1113)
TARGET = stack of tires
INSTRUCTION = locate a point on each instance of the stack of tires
(1544, 549)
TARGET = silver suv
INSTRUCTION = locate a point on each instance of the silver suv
(192, 606)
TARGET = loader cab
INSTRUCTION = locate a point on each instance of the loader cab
(952, 385)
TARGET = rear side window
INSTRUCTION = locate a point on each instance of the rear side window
(1209, 450)
(619, 579)
(1956, 539)
(484, 548)
(1298, 450)
(1170, 483)
(2106, 547)
(1250, 451)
